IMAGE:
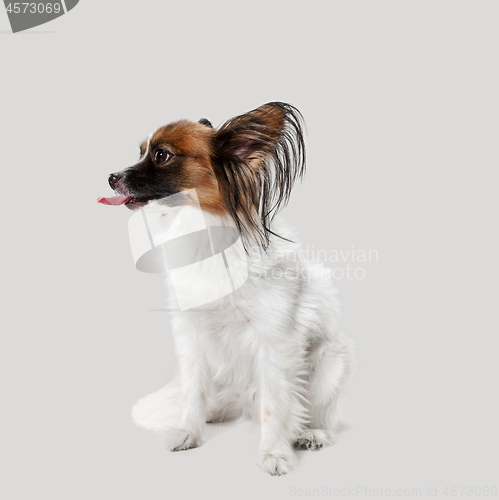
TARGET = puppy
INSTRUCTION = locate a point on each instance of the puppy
(271, 350)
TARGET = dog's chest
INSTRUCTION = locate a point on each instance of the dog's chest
(226, 343)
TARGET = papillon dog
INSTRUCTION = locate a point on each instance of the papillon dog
(271, 350)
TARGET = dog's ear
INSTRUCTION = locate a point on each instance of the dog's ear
(257, 158)
(254, 135)
(206, 122)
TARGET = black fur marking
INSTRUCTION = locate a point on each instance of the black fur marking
(206, 122)
(147, 181)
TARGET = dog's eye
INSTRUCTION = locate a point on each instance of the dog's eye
(162, 156)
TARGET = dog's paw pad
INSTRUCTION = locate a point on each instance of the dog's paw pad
(276, 463)
(179, 440)
(308, 443)
(313, 439)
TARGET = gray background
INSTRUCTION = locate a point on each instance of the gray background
(402, 108)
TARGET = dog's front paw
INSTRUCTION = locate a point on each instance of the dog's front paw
(178, 439)
(277, 463)
(313, 439)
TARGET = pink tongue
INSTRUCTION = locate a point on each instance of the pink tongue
(114, 200)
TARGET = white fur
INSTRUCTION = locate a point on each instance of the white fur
(271, 351)
(147, 146)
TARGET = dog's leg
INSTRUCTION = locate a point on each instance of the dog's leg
(282, 414)
(330, 367)
(193, 390)
(178, 409)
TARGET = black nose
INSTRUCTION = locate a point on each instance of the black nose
(113, 180)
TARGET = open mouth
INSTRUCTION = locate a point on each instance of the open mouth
(121, 199)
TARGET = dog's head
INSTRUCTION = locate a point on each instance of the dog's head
(244, 169)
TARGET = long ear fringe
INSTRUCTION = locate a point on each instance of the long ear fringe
(253, 197)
